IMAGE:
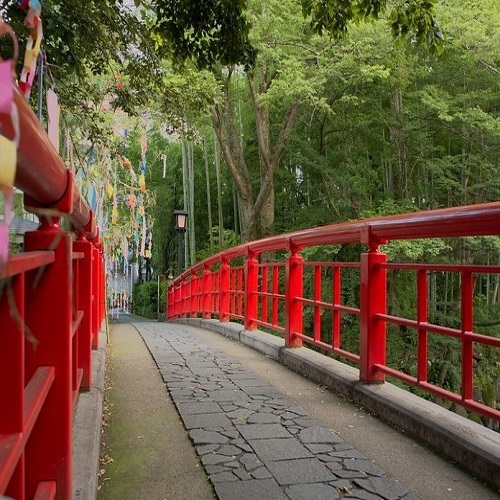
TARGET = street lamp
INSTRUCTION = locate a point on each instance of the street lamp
(180, 226)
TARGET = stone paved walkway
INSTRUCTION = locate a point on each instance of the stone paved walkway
(255, 442)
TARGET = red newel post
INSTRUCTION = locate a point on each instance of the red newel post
(372, 341)
(102, 285)
(294, 290)
(193, 297)
(224, 290)
(85, 305)
(96, 282)
(251, 283)
(177, 300)
(49, 312)
(184, 297)
(207, 293)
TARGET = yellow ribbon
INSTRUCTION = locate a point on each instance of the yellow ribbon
(8, 162)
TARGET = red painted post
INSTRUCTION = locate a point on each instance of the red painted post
(225, 272)
(467, 326)
(294, 290)
(12, 342)
(85, 305)
(76, 371)
(337, 300)
(251, 282)
(265, 299)
(49, 318)
(177, 300)
(95, 297)
(207, 292)
(422, 313)
(184, 297)
(195, 294)
(276, 291)
(317, 298)
(102, 267)
(372, 341)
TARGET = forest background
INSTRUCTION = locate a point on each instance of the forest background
(288, 120)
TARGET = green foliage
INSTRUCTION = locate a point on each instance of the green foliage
(145, 299)
(414, 19)
(93, 38)
(209, 32)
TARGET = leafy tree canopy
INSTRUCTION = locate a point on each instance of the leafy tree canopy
(208, 31)
(85, 40)
(216, 31)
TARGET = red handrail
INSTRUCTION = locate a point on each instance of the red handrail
(41, 173)
(370, 312)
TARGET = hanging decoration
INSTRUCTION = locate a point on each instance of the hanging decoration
(33, 22)
(142, 183)
(8, 148)
(114, 210)
(131, 200)
(164, 158)
(53, 118)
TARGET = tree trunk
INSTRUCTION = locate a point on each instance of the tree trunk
(219, 192)
(223, 119)
(209, 197)
(191, 226)
(398, 137)
(227, 135)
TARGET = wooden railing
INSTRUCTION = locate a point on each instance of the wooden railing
(288, 296)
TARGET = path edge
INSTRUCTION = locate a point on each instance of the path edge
(87, 428)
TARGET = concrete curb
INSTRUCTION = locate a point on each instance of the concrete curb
(467, 443)
(87, 429)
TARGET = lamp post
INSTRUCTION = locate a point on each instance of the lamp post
(180, 226)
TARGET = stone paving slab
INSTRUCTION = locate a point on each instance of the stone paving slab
(254, 442)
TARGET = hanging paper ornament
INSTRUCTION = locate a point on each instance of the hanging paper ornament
(142, 183)
(111, 191)
(144, 143)
(114, 211)
(124, 161)
(34, 24)
(119, 84)
(8, 148)
(131, 200)
(92, 196)
(53, 112)
(143, 239)
(149, 245)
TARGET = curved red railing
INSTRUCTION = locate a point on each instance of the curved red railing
(287, 295)
(51, 309)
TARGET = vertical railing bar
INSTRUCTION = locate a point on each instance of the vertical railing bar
(422, 316)
(265, 299)
(336, 315)
(275, 275)
(467, 327)
(317, 298)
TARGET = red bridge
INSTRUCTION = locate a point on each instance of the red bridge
(52, 307)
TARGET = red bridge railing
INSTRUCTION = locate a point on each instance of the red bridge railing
(287, 295)
(51, 309)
